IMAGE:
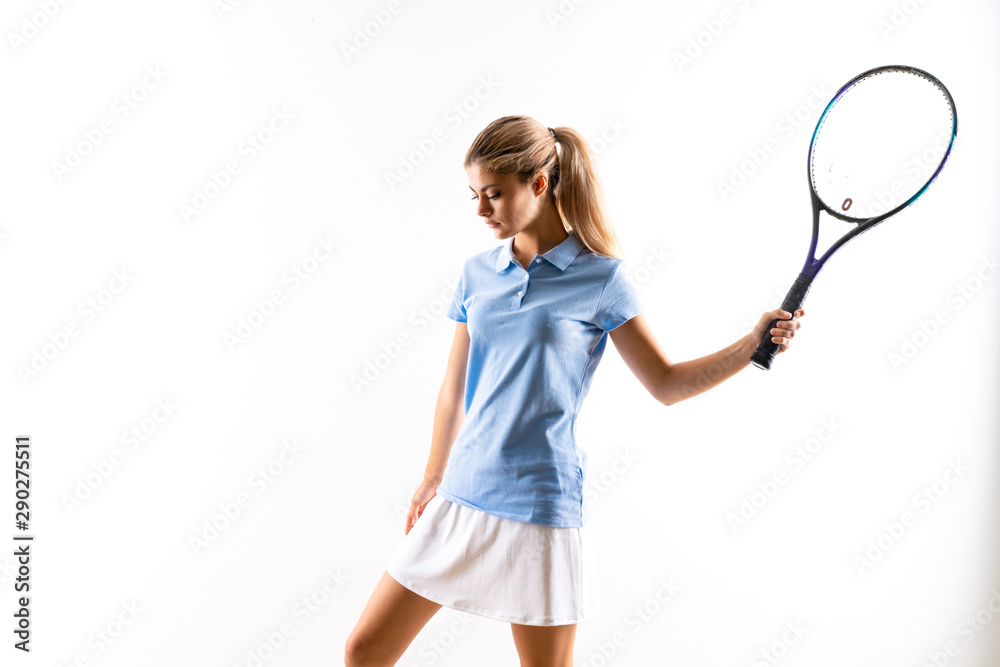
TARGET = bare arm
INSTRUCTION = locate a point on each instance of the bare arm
(450, 411)
(670, 383)
(448, 417)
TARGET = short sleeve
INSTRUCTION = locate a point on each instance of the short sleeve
(619, 301)
(456, 310)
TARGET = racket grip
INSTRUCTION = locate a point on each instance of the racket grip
(765, 352)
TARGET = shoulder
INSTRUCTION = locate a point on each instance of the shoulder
(472, 263)
(601, 267)
(481, 263)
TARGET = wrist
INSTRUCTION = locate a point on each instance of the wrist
(747, 345)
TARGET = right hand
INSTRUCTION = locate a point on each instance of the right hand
(423, 495)
(785, 328)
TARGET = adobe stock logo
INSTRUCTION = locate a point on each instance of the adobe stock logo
(796, 459)
(640, 616)
(218, 180)
(363, 35)
(711, 31)
(454, 116)
(33, 24)
(785, 127)
(779, 648)
(899, 16)
(925, 330)
(121, 108)
(895, 529)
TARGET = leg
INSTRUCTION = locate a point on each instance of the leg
(544, 645)
(391, 619)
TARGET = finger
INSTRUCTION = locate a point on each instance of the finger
(788, 325)
(800, 312)
(411, 519)
(779, 338)
(783, 332)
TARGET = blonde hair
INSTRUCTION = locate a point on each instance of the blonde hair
(521, 145)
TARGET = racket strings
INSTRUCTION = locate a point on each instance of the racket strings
(880, 142)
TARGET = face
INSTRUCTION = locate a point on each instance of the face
(503, 200)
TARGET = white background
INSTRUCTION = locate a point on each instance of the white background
(118, 530)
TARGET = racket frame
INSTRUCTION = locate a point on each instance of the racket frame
(812, 265)
(764, 355)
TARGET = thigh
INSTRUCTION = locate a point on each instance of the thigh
(391, 619)
(544, 645)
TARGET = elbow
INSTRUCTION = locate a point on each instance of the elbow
(666, 395)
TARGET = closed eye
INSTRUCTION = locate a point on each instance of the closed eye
(496, 196)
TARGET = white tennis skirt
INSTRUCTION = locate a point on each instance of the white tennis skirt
(508, 570)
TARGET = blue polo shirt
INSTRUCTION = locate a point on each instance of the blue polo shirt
(537, 334)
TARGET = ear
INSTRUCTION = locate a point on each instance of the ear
(541, 182)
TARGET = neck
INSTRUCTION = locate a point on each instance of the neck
(539, 238)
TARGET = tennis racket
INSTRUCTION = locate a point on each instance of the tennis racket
(881, 141)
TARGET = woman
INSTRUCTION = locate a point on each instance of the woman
(504, 534)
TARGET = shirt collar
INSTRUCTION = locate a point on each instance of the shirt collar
(561, 256)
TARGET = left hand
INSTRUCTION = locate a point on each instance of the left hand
(784, 331)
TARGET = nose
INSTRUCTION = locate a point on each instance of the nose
(484, 209)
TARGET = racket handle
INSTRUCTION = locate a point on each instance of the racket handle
(764, 354)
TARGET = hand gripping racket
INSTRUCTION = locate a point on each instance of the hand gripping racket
(882, 139)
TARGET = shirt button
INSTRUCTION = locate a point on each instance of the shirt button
(520, 292)
(538, 261)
